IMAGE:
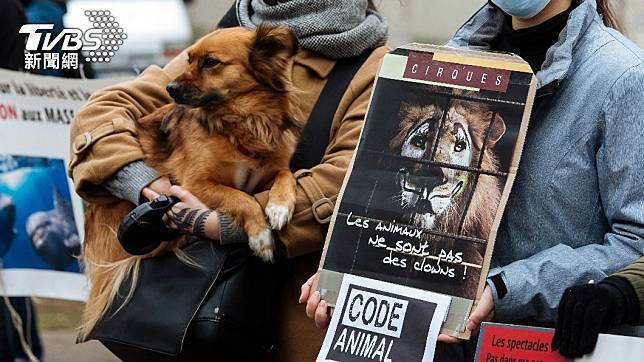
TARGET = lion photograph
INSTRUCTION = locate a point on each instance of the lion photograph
(439, 191)
(433, 162)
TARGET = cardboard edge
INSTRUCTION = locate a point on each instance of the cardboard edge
(516, 157)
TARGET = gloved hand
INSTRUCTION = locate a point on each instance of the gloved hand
(585, 311)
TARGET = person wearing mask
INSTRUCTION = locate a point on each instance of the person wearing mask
(329, 32)
(576, 211)
(588, 309)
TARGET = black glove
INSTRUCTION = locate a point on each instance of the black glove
(586, 310)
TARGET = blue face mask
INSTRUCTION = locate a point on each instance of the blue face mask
(524, 9)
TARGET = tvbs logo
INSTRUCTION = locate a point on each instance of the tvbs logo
(47, 50)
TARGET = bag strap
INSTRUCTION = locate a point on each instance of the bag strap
(230, 18)
(315, 135)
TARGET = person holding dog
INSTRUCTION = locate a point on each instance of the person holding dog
(107, 161)
(576, 212)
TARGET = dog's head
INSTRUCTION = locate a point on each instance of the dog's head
(234, 61)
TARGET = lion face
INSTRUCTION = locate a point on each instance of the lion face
(450, 135)
(429, 190)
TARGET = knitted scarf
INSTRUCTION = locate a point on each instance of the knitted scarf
(334, 28)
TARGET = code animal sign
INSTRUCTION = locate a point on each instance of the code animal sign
(425, 193)
(379, 321)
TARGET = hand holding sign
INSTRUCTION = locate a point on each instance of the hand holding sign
(316, 308)
(484, 312)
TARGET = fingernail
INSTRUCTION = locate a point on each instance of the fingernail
(316, 294)
(323, 304)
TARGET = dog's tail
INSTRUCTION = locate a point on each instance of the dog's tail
(106, 279)
(108, 266)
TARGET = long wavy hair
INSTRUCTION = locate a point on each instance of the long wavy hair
(605, 8)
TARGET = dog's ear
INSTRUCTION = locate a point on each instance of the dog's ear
(270, 55)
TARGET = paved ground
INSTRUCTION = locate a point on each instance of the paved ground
(60, 347)
(57, 321)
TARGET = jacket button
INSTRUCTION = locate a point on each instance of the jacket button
(82, 142)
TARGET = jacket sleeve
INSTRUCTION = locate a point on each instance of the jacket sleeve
(634, 274)
(318, 188)
(104, 136)
(535, 285)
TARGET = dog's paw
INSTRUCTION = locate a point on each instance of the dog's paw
(262, 244)
(278, 215)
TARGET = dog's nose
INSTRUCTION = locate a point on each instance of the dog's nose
(174, 89)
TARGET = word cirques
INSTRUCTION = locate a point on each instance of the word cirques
(458, 74)
(422, 66)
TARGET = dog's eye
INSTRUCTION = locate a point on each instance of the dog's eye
(209, 62)
(460, 145)
(418, 141)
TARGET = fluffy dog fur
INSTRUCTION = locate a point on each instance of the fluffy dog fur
(233, 133)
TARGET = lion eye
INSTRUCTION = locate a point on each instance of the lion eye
(209, 62)
(418, 141)
(460, 145)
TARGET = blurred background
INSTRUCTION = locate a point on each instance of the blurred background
(159, 29)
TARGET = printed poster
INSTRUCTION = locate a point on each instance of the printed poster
(41, 219)
(427, 187)
(498, 342)
(379, 321)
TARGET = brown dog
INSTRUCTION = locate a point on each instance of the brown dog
(232, 132)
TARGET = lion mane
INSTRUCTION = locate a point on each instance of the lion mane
(487, 193)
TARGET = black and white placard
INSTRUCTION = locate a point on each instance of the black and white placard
(380, 321)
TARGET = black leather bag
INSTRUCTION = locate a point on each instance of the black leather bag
(222, 309)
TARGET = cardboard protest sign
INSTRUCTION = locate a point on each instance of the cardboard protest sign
(379, 321)
(40, 217)
(425, 193)
(509, 343)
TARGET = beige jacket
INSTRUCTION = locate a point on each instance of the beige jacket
(104, 140)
